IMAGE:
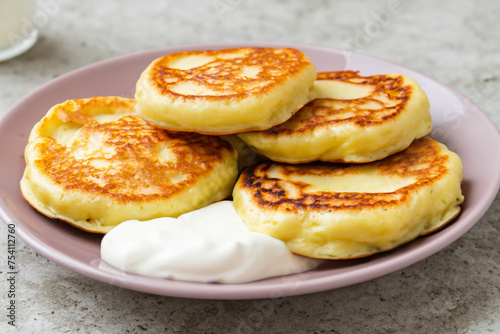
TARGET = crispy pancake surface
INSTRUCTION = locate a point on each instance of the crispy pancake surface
(225, 91)
(340, 211)
(94, 163)
(352, 119)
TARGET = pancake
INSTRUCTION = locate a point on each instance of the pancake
(94, 163)
(225, 91)
(342, 211)
(352, 119)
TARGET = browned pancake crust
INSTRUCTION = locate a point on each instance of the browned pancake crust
(134, 172)
(222, 76)
(326, 112)
(421, 161)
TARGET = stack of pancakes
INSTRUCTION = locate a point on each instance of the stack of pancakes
(335, 164)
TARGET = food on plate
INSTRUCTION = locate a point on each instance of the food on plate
(339, 211)
(225, 91)
(333, 165)
(207, 245)
(353, 119)
(95, 163)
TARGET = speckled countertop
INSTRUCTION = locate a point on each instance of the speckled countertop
(456, 290)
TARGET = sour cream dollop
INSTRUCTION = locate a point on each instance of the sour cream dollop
(211, 244)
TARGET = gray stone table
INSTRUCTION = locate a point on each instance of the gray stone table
(456, 42)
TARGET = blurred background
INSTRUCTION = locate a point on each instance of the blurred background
(456, 42)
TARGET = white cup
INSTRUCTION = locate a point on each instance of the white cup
(18, 33)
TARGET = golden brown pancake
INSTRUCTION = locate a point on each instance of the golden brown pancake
(94, 163)
(353, 119)
(225, 91)
(340, 211)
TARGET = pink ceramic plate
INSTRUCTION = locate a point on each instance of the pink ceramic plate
(458, 123)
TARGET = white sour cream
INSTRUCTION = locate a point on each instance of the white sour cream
(207, 245)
